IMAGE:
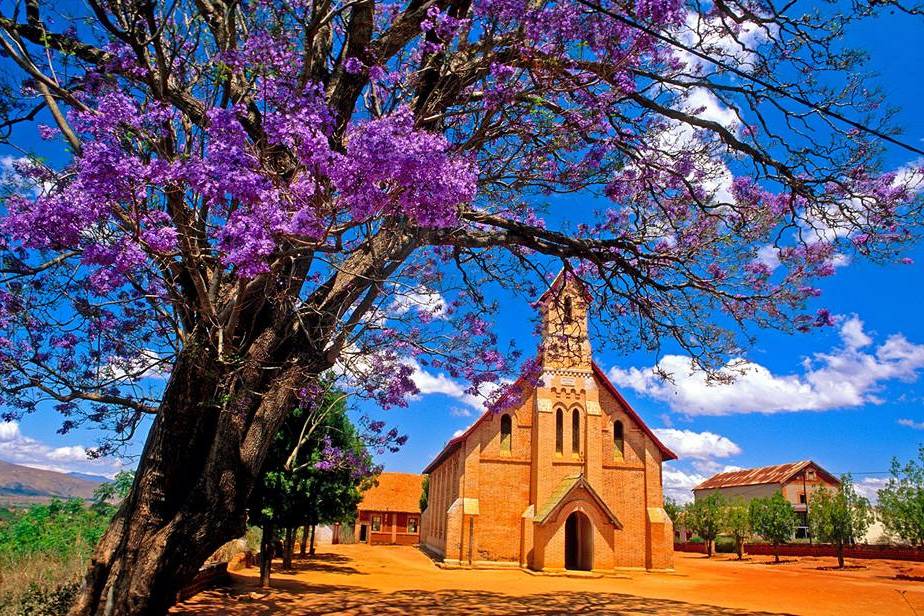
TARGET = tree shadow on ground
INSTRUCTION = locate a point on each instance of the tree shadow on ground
(321, 563)
(296, 597)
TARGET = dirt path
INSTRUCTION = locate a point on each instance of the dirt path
(358, 579)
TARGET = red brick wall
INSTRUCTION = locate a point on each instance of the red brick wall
(394, 529)
(802, 549)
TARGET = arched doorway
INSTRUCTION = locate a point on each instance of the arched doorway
(579, 542)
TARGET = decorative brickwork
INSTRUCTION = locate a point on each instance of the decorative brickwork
(577, 491)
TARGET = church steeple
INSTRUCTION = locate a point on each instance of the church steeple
(565, 342)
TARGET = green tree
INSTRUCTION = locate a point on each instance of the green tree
(424, 493)
(60, 529)
(839, 516)
(773, 519)
(704, 517)
(901, 501)
(673, 509)
(737, 523)
(113, 492)
(315, 470)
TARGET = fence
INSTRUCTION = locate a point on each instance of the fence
(803, 549)
(208, 576)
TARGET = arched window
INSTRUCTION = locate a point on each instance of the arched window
(559, 431)
(619, 440)
(575, 431)
(568, 310)
(506, 433)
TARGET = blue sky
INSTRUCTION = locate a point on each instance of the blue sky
(860, 379)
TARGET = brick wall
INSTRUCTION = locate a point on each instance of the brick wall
(857, 551)
(393, 527)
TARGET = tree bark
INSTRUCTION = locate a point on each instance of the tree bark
(708, 548)
(200, 462)
(739, 547)
(266, 554)
(215, 423)
(288, 548)
(304, 539)
(311, 551)
(840, 555)
(776, 553)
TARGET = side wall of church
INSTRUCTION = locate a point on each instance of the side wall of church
(631, 481)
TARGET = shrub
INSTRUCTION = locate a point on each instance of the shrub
(42, 601)
(725, 545)
(696, 539)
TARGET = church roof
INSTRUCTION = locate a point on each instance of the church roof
(776, 474)
(556, 285)
(394, 492)
(561, 492)
(666, 454)
(454, 443)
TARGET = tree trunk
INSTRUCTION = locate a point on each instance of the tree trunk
(739, 547)
(840, 555)
(266, 554)
(288, 548)
(199, 464)
(776, 553)
(708, 548)
(311, 551)
(304, 539)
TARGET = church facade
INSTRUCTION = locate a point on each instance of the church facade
(569, 478)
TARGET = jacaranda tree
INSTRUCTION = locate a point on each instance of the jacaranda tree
(238, 196)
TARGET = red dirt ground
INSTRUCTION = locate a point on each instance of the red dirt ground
(359, 579)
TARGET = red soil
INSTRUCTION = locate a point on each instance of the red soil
(359, 579)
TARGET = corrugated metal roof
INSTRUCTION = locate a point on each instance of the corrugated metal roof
(394, 492)
(778, 473)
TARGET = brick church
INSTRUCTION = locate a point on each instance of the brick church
(568, 479)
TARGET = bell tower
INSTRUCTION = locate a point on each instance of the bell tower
(565, 341)
(567, 420)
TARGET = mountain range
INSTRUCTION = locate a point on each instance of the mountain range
(24, 485)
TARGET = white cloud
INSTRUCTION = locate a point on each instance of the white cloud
(18, 448)
(430, 383)
(698, 445)
(678, 484)
(769, 255)
(910, 423)
(869, 486)
(458, 433)
(146, 363)
(420, 299)
(845, 377)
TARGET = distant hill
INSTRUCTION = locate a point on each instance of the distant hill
(22, 485)
(89, 477)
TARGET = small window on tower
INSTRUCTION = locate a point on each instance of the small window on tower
(559, 431)
(619, 440)
(506, 433)
(568, 310)
(575, 432)
(802, 498)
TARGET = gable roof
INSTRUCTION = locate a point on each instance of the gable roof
(394, 492)
(666, 454)
(560, 494)
(454, 443)
(776, 474)
(556, 285)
